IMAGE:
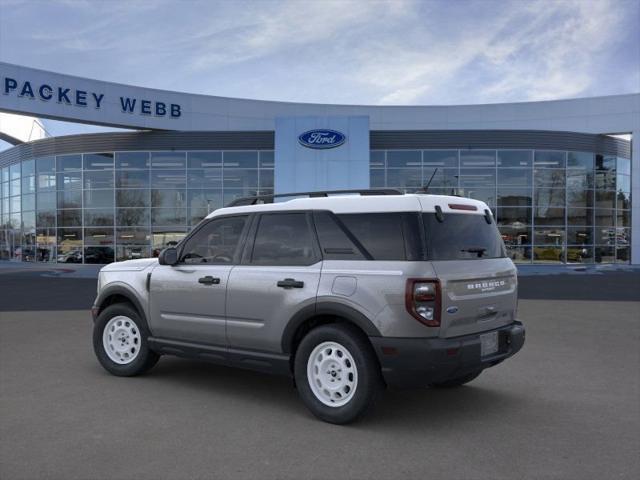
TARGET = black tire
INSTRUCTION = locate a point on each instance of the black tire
(145, 358)
(369, 378)
(458, 381)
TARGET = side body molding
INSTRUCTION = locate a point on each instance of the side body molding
(329, 309)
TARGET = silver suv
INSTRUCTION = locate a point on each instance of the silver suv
(347, 292)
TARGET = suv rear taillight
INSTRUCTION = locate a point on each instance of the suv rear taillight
(422, 299)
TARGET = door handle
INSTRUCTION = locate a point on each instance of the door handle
(290, 283)
(209, 280)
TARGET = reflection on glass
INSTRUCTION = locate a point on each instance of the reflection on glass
(97, 161)
(440, 159)
(175, 160)
(549, 159)
(138, 160)
(515, 158)
(477, 158)
(404, 159)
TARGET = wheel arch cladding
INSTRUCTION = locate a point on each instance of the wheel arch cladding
(118, 294)
(320, 314)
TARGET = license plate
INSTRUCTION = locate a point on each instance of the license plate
(488, 343)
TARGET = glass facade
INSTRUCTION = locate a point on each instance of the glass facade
(551, 206)
(106, 206)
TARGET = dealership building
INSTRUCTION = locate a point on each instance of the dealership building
(561, 177)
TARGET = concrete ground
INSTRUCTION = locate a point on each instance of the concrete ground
(566, 407)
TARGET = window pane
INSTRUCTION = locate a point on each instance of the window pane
(132, 252)
(98, 179)
(266, 179)
(334, 242)
(205, 178)
(132, 160)
(168, 160)
(549, 159)
(28, 168)
(283, 239)
(132, 179)
(624, 218)
(580, 254)
(376, 159)
(204, 159)
(461, 237)
(404, 158)
(98, 217)
(215, 243)
(29, 202)
(99, 254)
(240, 159)
(580, 235)
(605, 163)
(605, 254)
(514, 216)
(70, 180)
(132, 217)
(477, 158)
(46, 201)
(267, 159)
(548, 216)
(46, 181)
(70, 199)
(579, 178)
(376, 178)
(133, 236)
(477, 177)
(440, 158)
(548, 254)
(443, 178)
(519, 234)
(604, 217)
(46, 218)
(623, 166)
(69, 162)
(578, 197)
(549, 236)
(605, 199)
(486, 195)
(236, 177)
(168, 198)
(98, 161)
(514, 197)
(623, 183)
(582, 160)
(43, 165)
(168, 179)
(514, 158)
(132, 198)
(549, 178)
(70, 218)
(169, 216)
(98, 199)
(14, 187)
(514, 176)
(579, 216)
(519, 254)
(546, 197)
(98, 236)
(28, 184)
(404, 177)
(381, 234)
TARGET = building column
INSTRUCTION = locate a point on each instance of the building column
(635, 197)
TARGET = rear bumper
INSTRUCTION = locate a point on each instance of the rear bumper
(414, 362)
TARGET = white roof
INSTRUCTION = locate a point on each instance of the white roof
(345, 203)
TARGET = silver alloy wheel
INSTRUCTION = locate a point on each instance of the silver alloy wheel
(121, 340)
(332, 374)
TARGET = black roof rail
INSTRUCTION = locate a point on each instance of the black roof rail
(243, 201)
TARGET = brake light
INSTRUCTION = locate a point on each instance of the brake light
(463, 206)
(422, 300)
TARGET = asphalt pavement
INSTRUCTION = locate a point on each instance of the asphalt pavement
(566, 407)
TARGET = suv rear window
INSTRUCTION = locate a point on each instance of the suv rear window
(462, 236)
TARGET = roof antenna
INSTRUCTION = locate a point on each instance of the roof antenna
(425, 188)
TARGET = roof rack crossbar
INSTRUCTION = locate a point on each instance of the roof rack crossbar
(243, 201)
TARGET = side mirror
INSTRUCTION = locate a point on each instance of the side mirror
(168, 256)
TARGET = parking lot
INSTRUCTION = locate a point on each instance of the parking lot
(568, 406)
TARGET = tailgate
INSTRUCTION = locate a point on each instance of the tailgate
(477, 295)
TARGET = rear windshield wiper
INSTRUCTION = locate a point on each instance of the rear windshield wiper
(479, 250)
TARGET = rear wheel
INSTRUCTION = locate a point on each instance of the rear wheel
(457, 381)
(337, 374)
(120, 341)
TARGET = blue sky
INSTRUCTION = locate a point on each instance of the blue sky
(365, 52)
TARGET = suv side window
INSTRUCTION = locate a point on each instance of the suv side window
(386, 236)
(214, 243)
(336, 242)
(284, 239)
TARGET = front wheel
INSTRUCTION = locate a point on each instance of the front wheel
(337, 373)
(120, 341)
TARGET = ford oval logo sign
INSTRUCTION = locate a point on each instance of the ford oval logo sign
(322, 138)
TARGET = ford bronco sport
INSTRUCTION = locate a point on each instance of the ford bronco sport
(347, 292)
